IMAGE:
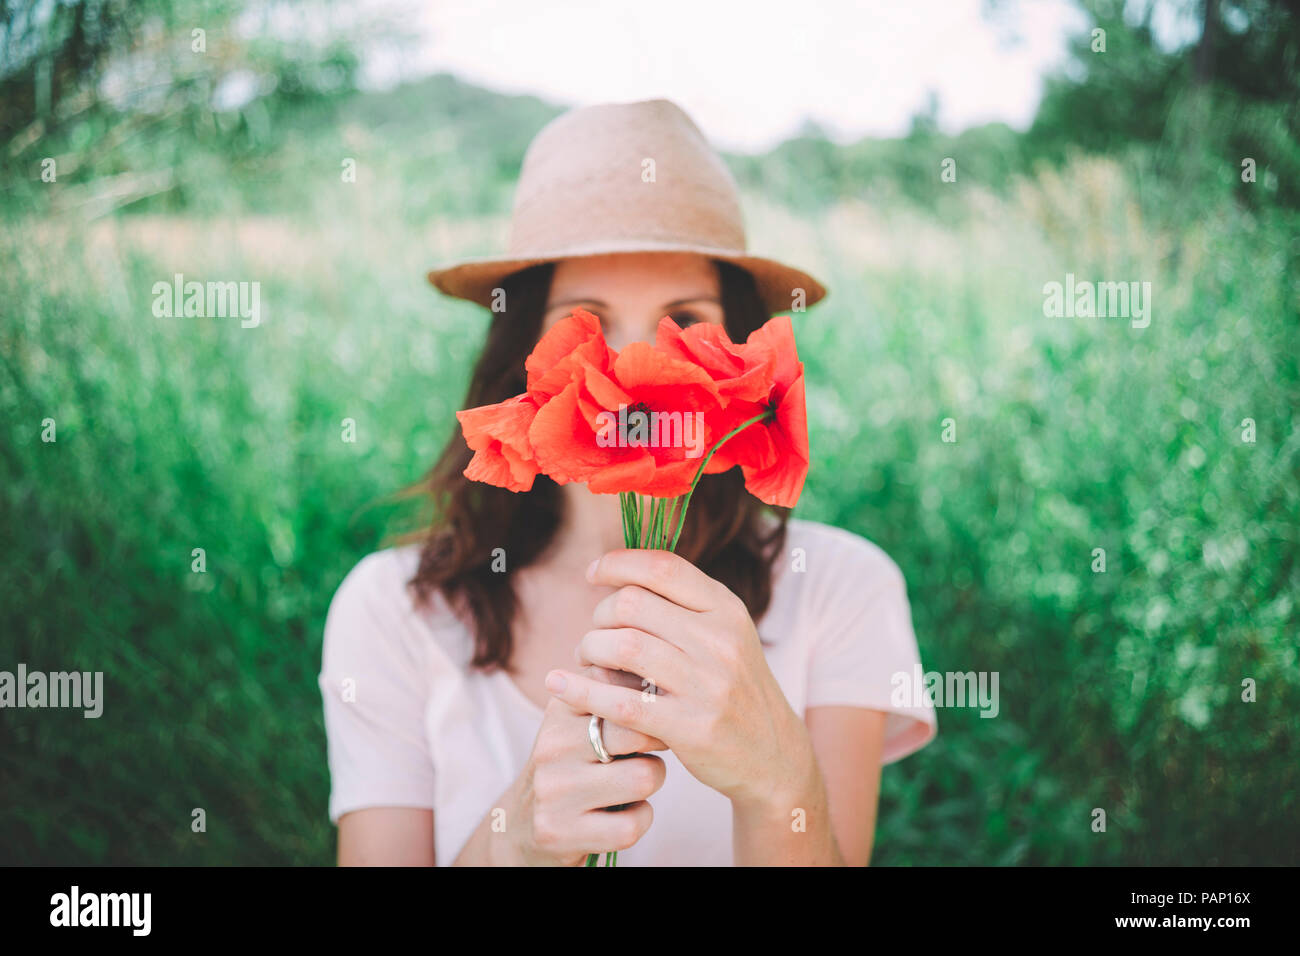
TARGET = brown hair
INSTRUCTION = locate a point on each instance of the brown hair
(725, 534)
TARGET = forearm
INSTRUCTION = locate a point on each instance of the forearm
(791, 824)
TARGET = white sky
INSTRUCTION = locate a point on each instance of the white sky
(750, 71)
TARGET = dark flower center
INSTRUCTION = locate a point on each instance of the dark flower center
(637, 423)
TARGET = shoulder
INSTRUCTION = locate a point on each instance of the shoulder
(375, 590)
(835, 559)
(378, 578)
(373, 613)
(828, 576)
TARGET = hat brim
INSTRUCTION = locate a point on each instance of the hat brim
(476, 279)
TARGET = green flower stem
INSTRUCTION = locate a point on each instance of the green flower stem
(686, 502)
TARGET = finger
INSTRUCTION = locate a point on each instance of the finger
(666, 574)
(600, 831)
(619, 705)
(634, 606)
(619, 741)
(599, 786)
(656, 662)
(604, 674)
(608, 675)
(566, 735)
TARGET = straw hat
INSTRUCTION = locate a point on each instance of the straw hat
(586, 189)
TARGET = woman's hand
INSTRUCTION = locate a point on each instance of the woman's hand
(560, 796)
(718, 706)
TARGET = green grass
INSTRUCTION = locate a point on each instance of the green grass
(1119, 691)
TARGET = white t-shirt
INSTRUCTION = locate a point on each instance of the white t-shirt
(409, 725)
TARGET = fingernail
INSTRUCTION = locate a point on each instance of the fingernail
(555, 682)
(591, 568)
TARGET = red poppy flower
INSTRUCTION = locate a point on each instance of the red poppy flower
(740, 373)
(642, 420)
(498, 434)
(555, 360)
(778, 479)
(641, 426)
(763, 373)
(743, 376)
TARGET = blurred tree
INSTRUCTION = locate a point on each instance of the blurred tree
(57, 51)
(1233, 92)
(139, 101)
(63, 59)
(1250, 48)
(1204, 71)
(925, 122)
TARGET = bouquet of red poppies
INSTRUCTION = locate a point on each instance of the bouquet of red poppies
(649, 421)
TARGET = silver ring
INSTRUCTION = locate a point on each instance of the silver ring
(598, 744)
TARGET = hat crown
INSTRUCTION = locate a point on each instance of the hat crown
(614, 178)
(624, 173)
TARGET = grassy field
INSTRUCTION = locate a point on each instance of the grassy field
(1120, 690)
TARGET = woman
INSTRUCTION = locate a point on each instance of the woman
(746, 683)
